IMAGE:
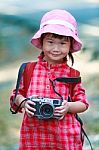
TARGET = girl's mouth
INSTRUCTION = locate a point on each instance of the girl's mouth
(55, 55)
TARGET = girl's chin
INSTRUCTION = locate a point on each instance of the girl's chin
(55, 61)
(55, 56)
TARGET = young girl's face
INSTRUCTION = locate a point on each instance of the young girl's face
(55, 48)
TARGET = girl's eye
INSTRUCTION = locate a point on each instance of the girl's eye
(50, 42)
(62, 43)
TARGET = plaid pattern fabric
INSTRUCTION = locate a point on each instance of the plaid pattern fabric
(51, 134)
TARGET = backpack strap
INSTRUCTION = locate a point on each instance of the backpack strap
(27, 75)
(73, 74)
(26, 69)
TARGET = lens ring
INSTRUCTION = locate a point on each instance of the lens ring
(46, 110)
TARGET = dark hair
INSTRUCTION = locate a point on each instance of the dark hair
(60, 37)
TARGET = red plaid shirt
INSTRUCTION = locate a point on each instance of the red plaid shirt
(51, 134)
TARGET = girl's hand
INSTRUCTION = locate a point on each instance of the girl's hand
(29, 108)
(62, 110)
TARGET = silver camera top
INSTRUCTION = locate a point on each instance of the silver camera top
(39, 99)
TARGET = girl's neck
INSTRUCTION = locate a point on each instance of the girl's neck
(53, 62)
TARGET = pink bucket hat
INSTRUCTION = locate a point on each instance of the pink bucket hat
(59, 22)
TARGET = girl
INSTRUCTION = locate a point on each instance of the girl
(58, 39)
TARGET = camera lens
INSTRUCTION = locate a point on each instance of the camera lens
(46, 110)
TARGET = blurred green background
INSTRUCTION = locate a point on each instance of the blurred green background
(19, 20)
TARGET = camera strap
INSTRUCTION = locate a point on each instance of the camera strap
(71, 81)
(83, 132)
(21, 69)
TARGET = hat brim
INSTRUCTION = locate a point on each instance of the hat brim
(60, 30)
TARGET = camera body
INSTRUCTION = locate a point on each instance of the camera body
(45, 107)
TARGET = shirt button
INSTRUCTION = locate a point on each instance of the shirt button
(47, 87)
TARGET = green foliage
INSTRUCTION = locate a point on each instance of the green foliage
(9, 124)
(93, 127)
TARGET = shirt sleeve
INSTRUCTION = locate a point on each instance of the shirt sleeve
(78, 94)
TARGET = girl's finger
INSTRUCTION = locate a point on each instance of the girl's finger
(29, 113)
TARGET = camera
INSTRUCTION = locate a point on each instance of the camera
(45, 107)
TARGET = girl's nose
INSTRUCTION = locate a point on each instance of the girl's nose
(56, 47)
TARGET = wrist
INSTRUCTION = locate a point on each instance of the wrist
(23, 103)
(69, 110)
(20, 99)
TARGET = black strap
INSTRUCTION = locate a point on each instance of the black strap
(18, 107)
(69, 80)
(87, 138)
(21, 69)
(81, 123)
(53, 85)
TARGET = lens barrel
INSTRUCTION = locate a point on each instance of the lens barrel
(46, 110)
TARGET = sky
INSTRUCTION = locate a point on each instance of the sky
(17, 6)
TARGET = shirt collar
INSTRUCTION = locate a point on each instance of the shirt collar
(46, 64)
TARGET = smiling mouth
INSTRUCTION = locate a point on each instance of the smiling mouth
(55, 55)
